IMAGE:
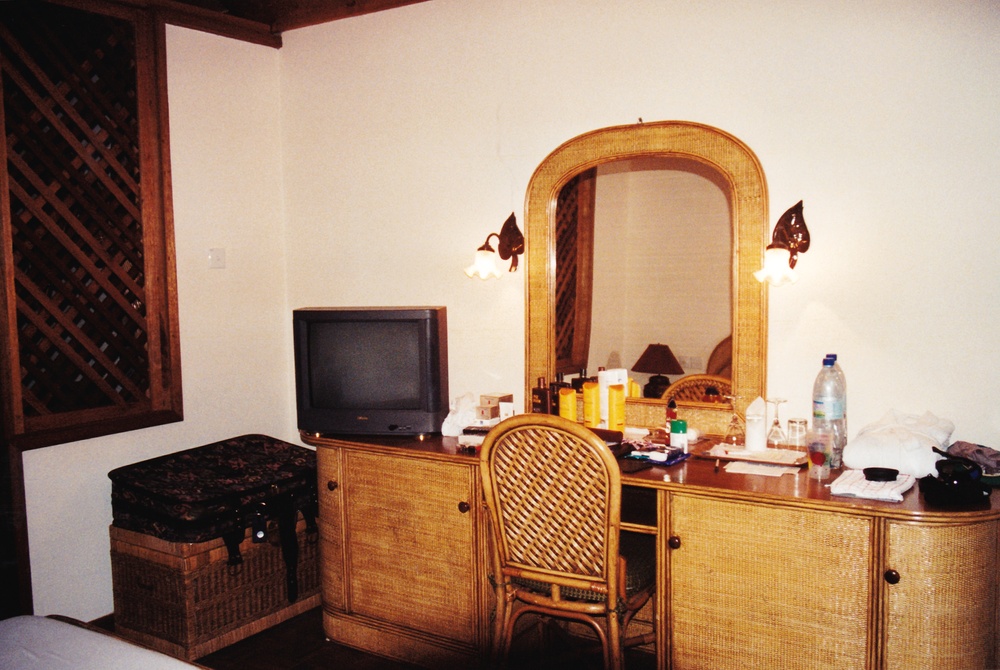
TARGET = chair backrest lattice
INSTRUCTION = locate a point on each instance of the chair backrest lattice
(694, 388)
(558, 498)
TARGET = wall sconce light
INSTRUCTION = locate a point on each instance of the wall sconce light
(660, 361)
(790, 238)
(510, 244)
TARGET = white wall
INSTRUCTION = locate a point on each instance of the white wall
(408, 135)
(235, 336)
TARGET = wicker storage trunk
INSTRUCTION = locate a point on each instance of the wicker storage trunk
(183, 599)
(187, 577)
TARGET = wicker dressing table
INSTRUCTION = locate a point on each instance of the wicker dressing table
(753, 572)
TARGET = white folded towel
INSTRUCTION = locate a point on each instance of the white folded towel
(904, 442)
(853, 483)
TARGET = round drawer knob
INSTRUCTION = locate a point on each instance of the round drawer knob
(464, 507)
(674, 542)
(331, 485)
(892, 576)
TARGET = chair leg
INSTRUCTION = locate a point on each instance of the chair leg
(502, 631)
(613, 645)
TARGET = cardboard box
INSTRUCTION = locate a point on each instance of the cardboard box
(490, 399)
(485, 412)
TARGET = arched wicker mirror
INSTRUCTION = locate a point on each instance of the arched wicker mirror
(737, 169)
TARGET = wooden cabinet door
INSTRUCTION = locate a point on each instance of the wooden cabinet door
(411, 551)
(331, 527)
(941, 614)
(759, 586)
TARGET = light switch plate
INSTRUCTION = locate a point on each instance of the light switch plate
(217, 258)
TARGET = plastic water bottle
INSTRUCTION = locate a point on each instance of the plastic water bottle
(843, 381)
(830, 406)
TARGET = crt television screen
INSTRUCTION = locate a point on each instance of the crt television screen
(366, 364)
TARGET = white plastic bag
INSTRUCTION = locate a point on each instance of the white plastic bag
(461, 415)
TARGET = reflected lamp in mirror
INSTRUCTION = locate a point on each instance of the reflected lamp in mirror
(659, 361)
(790, 238)
(510, 245)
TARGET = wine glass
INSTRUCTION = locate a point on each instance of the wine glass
(736, 434)
(776, 437)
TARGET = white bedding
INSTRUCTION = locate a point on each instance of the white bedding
(40, 643)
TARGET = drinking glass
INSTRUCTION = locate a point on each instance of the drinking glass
(776, 437)
(797, 430)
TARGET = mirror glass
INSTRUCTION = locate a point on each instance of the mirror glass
(661, 234)
(690, 151)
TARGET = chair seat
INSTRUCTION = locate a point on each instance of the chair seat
(639, 552)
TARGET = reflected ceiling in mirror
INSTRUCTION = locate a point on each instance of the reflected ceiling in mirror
(733, 166)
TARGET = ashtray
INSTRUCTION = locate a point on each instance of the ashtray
(881, 474)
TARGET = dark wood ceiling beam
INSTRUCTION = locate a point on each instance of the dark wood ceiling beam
(256, 21)
(217, 23)
(197, 18)
(289, 15)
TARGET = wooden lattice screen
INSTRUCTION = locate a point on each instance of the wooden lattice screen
(574, 271)
(90, 316)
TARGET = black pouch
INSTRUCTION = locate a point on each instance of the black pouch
(959, 483)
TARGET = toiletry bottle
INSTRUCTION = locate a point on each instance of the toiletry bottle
(541, 400)
(554, 389)
(829, 402)
(679, 434)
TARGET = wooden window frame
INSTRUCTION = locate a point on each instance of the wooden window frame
(163, 402)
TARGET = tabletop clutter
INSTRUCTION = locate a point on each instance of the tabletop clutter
(882, 462)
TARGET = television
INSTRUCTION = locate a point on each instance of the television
(371, 370)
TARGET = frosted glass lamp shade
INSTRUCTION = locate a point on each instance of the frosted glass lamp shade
(776, 270)
(484, 265)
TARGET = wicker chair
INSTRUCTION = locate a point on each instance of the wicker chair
(553, 490)
(698, 388)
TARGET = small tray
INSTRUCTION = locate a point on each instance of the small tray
(768, 456)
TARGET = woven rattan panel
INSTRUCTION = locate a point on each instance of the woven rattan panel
(410, 548)
(185, 602)
(331, 525)
(72, 130)
(555, 519)
(787, 566)
(944, 606)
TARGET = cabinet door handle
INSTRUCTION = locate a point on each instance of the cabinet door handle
(464, 507)
(331, 485)
(891, 576)
(674, 542)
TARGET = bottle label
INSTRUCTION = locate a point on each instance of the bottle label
(829, 409)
